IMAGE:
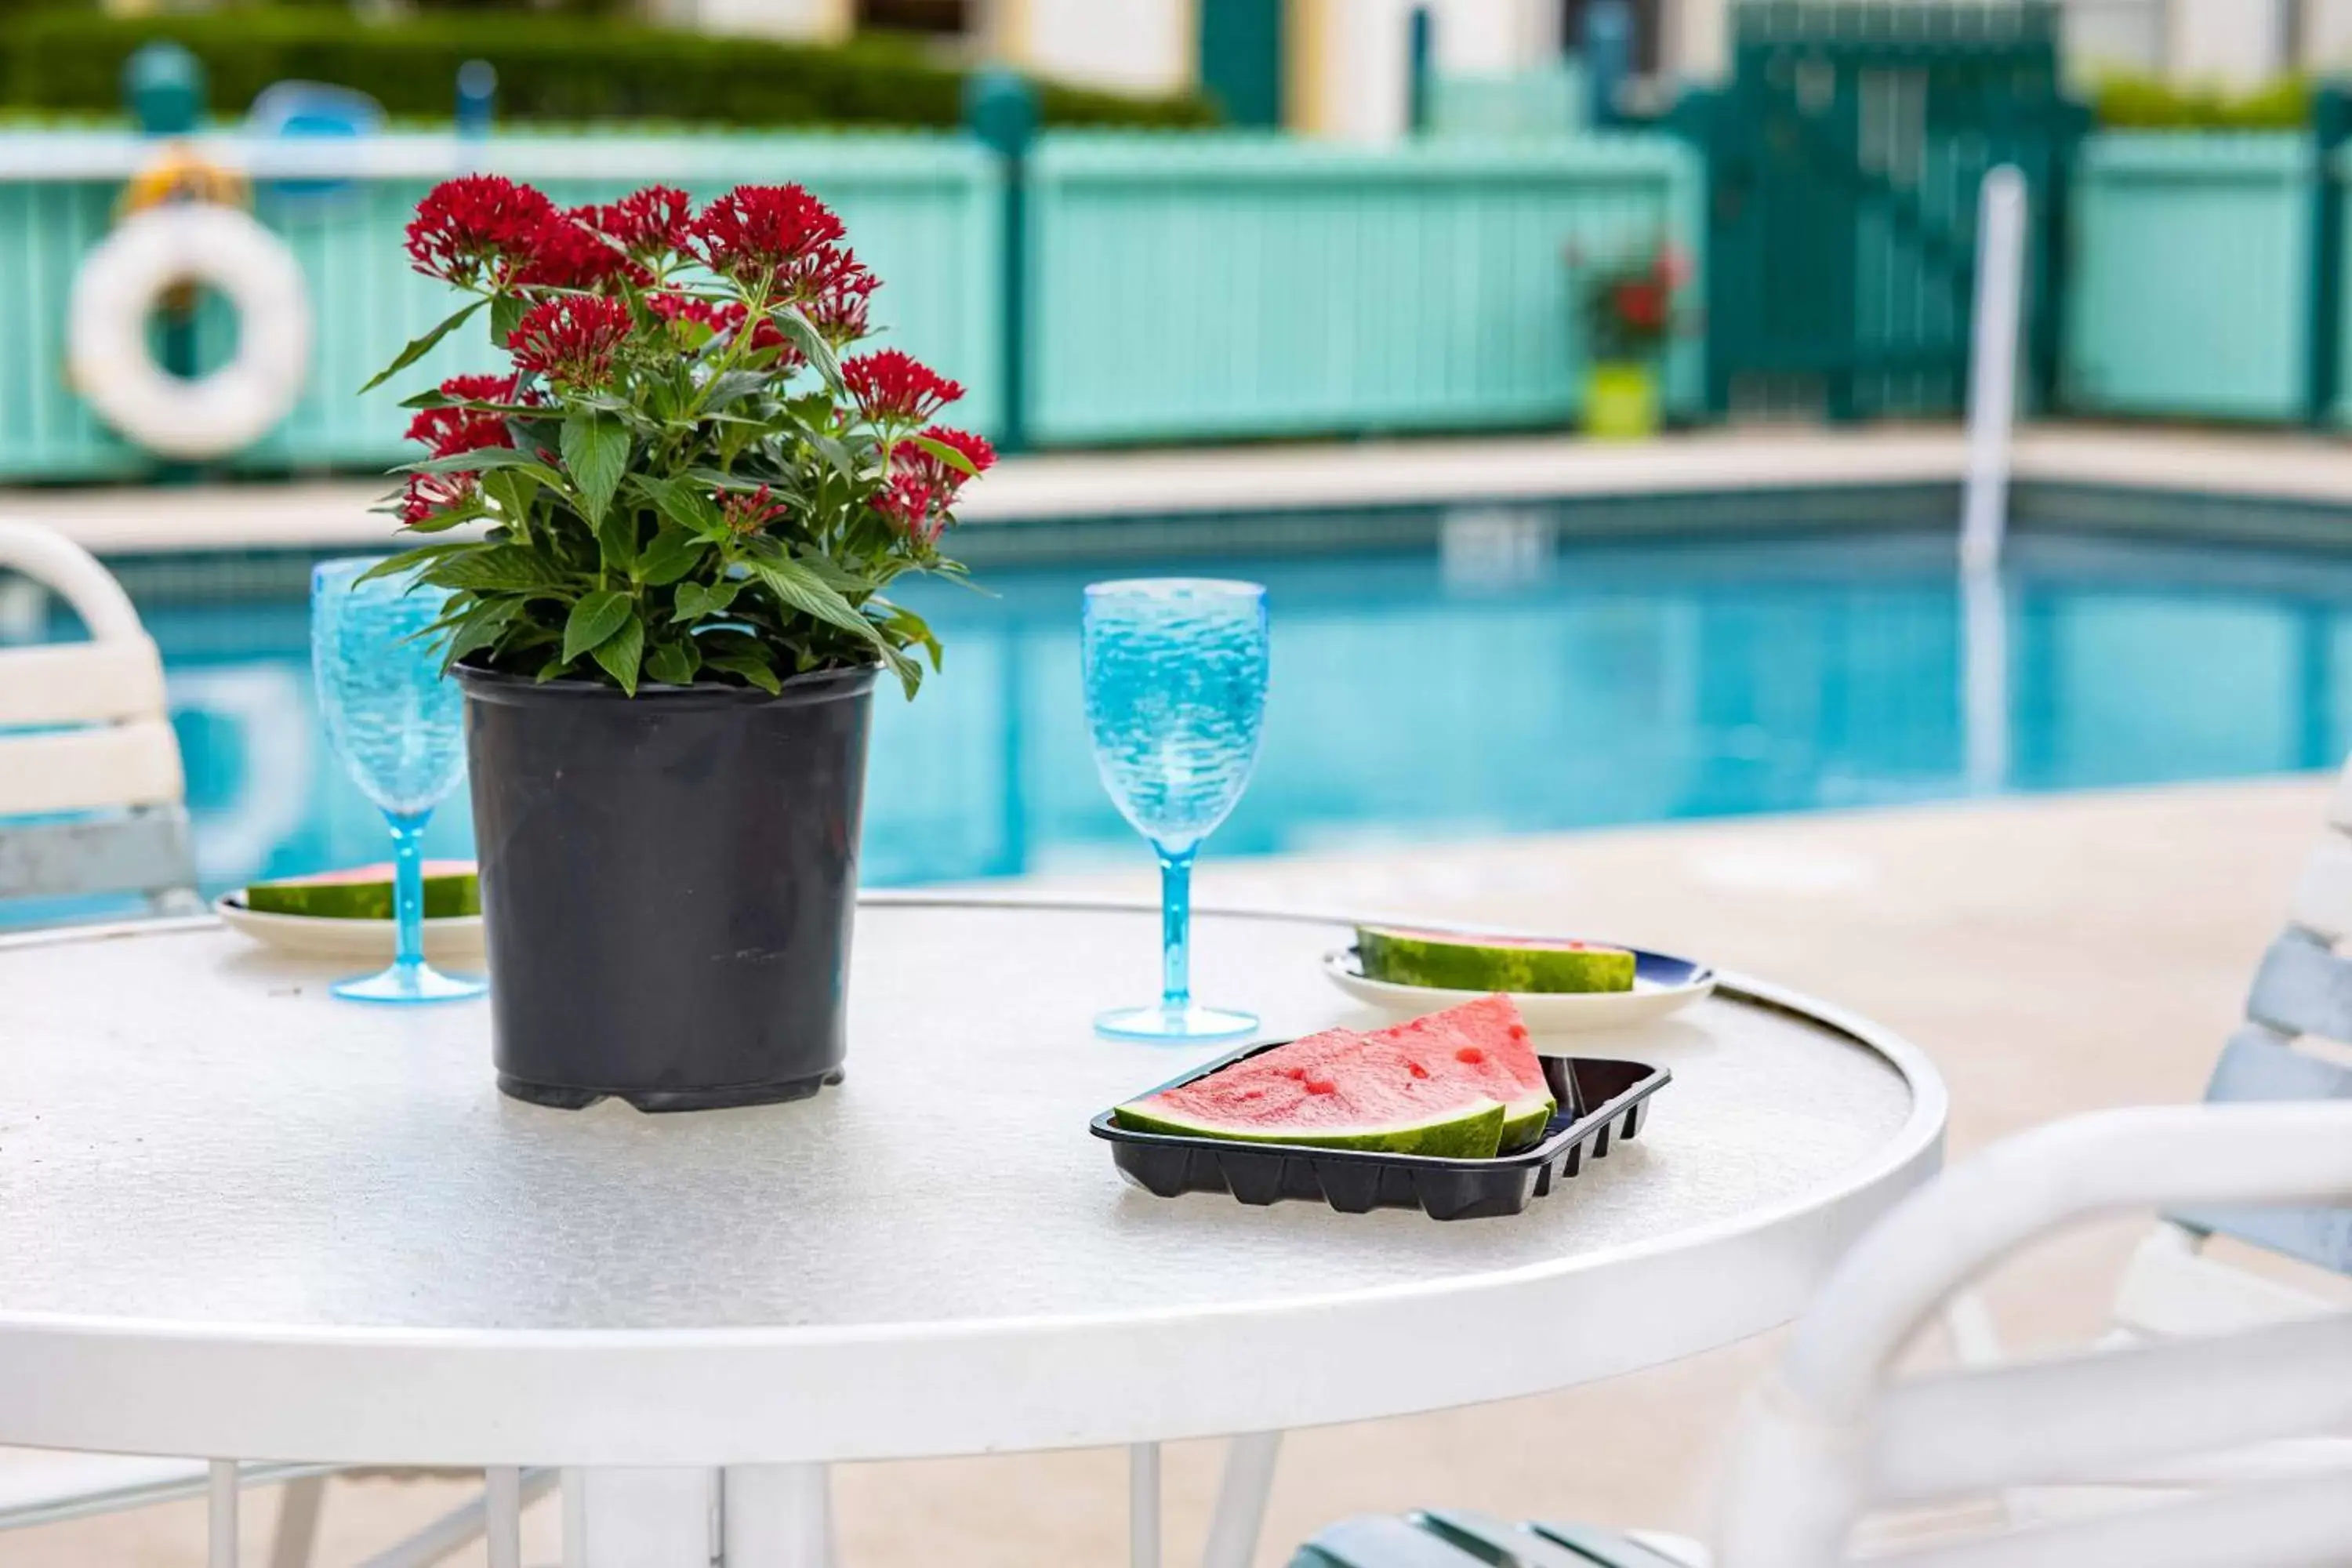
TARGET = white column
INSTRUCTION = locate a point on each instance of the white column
(638, 1518)
(1126, 46)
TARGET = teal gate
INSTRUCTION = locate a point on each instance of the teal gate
(1844, 162)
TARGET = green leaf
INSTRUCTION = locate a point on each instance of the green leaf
(409, 560)
(594, 620)
(834, 452)
(597, 450)
(419, 347)
(748, 662)
(674, 663)
(482, 626)
(912, 629)
(514, 491)
(945, 453)
(621, 653)
(673, 553)
(507, 312)
(482, 460)
(798, 588)
(812, 343)
(682, 503)
(695, 600)
(499, 568)
(616, 541)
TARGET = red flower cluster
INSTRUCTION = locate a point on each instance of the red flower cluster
(570, 252)
(571, 339)
(479, 228)
(747, 512)
(837, 308)
(755, 232)
(446, 432)
(893, 388)
(1640, 303)
(923, 486)
(648, 225)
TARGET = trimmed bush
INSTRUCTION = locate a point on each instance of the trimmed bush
(2148, 103)
(551, 68)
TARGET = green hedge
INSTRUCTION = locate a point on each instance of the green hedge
(550, 67)
(2147, 103)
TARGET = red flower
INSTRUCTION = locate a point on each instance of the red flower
(749, 512)
(475, 228)
(649, 224)
(837, 306)
(945, 478)
(1673, 268)
(448, 431)
(891, 385)
(754, 231)
(908, 502)
(571, 339)
(570, 252)
(429, 495)
(1641, 304)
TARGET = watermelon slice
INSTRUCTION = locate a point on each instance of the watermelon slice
(1450, 960)
(1483, 1043)
(364, 893)
(1463, 1084)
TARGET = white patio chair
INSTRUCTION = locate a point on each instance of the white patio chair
(90, 788)
(1831, 1438)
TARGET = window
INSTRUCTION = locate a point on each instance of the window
(915, 16)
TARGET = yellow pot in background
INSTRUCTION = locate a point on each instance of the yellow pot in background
(1621, 401)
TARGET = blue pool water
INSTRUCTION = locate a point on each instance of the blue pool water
(1413, 699)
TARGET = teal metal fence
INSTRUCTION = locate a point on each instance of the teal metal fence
(2190, 288)
(925, 212)
(1235, 286)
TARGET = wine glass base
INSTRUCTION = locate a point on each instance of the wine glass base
(410, 982)
(1161, 1023)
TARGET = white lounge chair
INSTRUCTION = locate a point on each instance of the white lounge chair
(1832, 1440)
(90, 786)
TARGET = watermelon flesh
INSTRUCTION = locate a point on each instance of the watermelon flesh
(1458, 1085)
(364, 893)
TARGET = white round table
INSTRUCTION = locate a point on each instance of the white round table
(240, 1218)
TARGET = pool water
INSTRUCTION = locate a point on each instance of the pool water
(1421, 697)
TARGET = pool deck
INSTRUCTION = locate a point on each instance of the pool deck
(2052, 954)
(2292, 468)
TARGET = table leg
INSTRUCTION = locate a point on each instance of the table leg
(1241, 1500)
(1143, 1506)
(776, 1516)
(640, 1517)
(221, 1532)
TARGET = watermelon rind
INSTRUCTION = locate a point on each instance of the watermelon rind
(1472, 1132)
(1448, 963)
(446, 895)
(1524, 1120)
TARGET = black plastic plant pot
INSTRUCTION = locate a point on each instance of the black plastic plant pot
(668, 884)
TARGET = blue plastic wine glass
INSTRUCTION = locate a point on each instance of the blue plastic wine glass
(398, 725)
(1175, 670)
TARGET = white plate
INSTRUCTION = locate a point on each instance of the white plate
(454, 939)
(1662, 984)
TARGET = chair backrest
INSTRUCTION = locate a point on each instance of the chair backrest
(1832, 1437)
(90, 783)
(2296, 1044)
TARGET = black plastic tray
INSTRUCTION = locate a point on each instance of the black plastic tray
(1600, 1101)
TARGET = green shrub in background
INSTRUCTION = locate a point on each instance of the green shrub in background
(551, 68)
(2149, 103)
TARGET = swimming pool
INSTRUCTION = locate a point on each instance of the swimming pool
(1423, 695)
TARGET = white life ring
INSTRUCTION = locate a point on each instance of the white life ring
(106, 333)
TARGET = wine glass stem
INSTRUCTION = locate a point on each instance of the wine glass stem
(408, 885)
(1176, 929)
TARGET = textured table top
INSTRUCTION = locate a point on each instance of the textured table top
(196, 1139)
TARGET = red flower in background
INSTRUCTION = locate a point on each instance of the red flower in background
(568, 252)
(943, 477)
(754, 232)
(1641, 304)
(908, 502)
(1673, 268)
(649, 224)
(838, 306)
(571, 339)
(446, 432)
(477, 228)
(892, 385)
(749, 512)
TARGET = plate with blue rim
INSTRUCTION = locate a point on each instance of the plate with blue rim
(1662, 984)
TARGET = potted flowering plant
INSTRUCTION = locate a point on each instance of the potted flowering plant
(1631, 310)
(670, 624)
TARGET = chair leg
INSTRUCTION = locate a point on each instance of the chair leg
(220, 1550)
(1242, 1496)
(502, 1517)
(296, 1538)
(776, 1516)
(1143, 1506)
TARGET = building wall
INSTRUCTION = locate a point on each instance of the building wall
(825, 19)
(1133, 45)
(1351, 59)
